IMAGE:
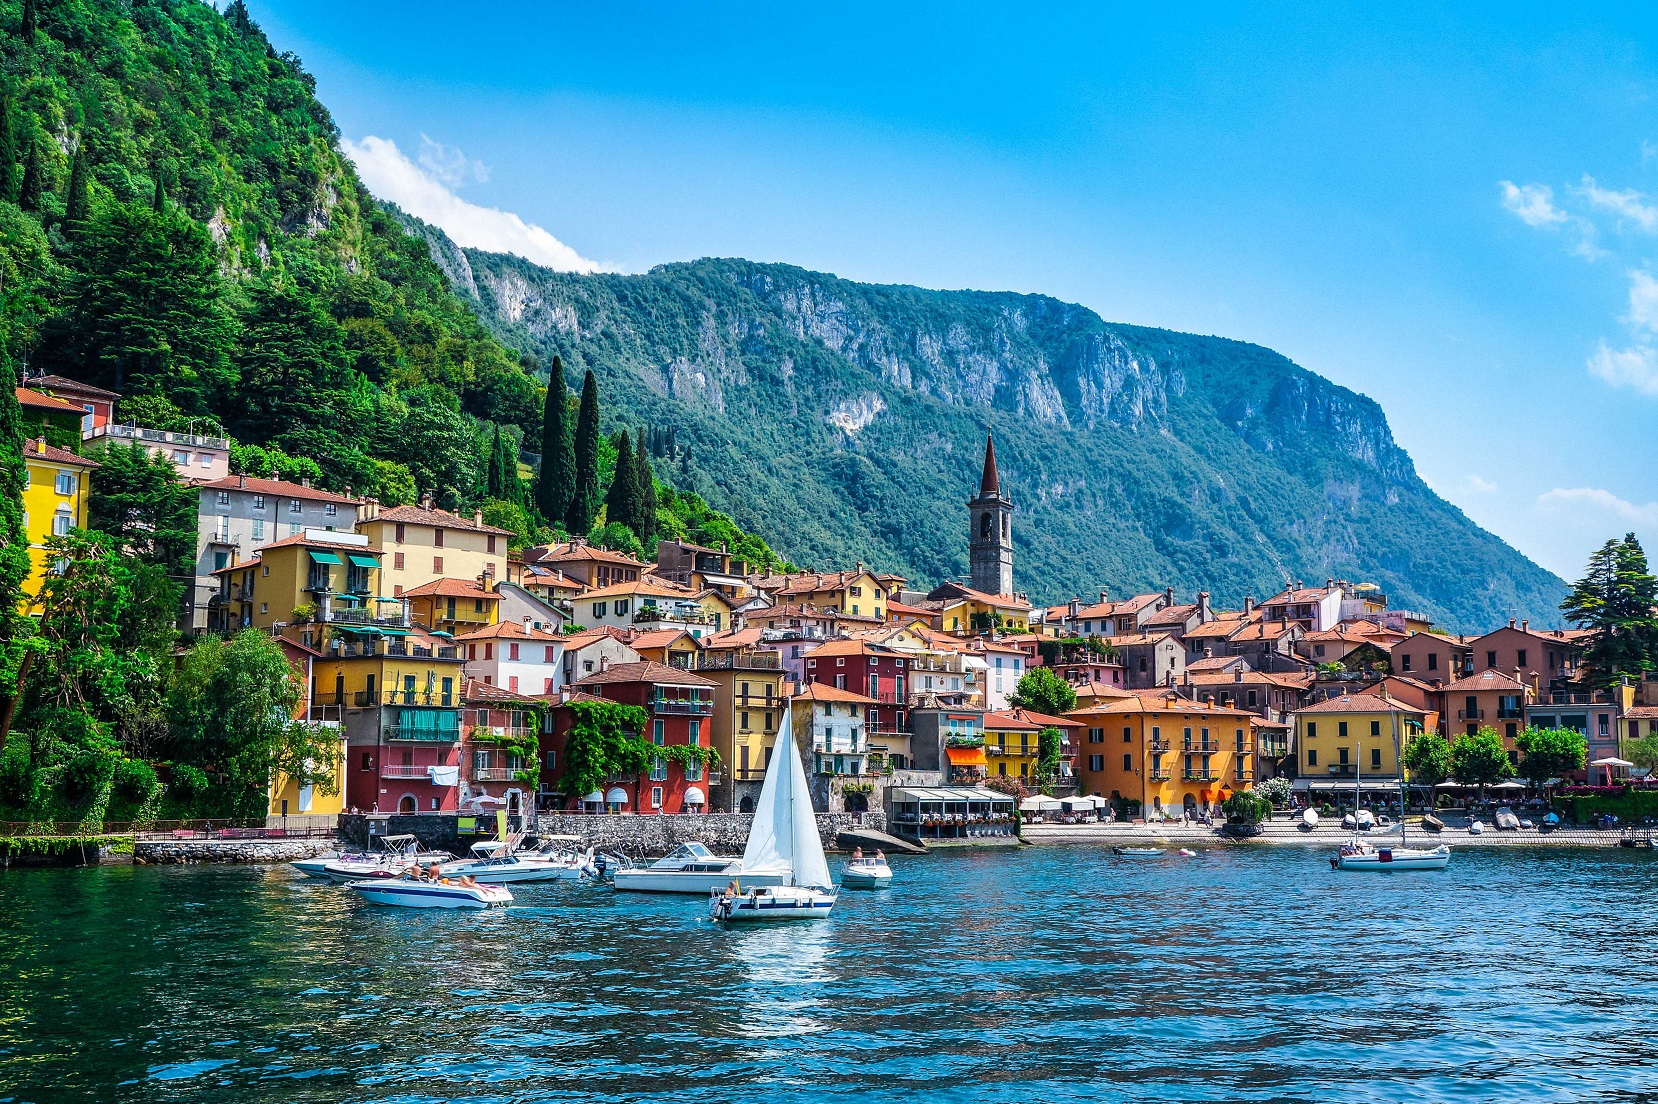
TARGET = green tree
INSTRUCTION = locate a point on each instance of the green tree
(29, 22)
(622, 500)
(158, 195)
(231, 708)
(138, 501)
(1244, 808)
(78, 202)
(14, 550)
(1048, 743)
(146, 313)
(10, 170)
(604, 742)
(1642, 751)
(31, 191)
(584, 494)
(618, 538)
(436, 442)
(1043, 691)
(293, 364)
(501, 480)
(394, 485)
(1480, 759)
(1615, 599)
(513, 518)
(1551, 753)
(1428, 760)
(555, 482)
(645, 487)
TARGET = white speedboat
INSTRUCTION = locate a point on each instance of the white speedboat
(498, 865)
(398, 854)
(783, 842)
(866, 873)
(690, 868)
(1362, 856)
(1506, 819)
(1137, 852)
(316, 865)
(415, 893)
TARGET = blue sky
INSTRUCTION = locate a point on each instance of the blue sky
(1454, 212)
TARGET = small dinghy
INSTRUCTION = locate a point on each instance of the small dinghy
(417, 893)
(1309, 819)
(1137, 852)
(1476, 828)
(1433, 823)
(867, 873)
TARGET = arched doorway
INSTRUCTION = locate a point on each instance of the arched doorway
(746, 805)
(408, 804)
(1189, 803)
(857, 803)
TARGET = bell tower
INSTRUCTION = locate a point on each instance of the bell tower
(990, 542)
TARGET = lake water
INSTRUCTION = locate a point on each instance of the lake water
(1053, 974)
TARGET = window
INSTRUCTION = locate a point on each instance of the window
(1490, 659)
(264, 569)
(1312, 757)
(512, 652)
(489, 650)
(621, 607)
(512, 683)
(1312, 729)
(696, 734)
(1252, 699)
(1128, 734)
(1142, 664)
(548, 688)
(400, 533)
(551, 656)
(1404, 663)
(1341, 753)
(258, 501)
(1520, 657)
(331, 509)
(658, 733)
(367, 761)
(1128, 760)
(1096, 762)
(1375, 728)
(295, 528)
(656, 797)
(437, 565)
(599, 608)
(223, 497)
(397, 560)
(264, 607)
(1375, 757)
(62, 522)
(471, 651)
(258, 528)
(742, 720)
(1433, 661)
(437, 538)
(1341, 728)
(182, 457)
(491, 545)
(295, 506)
(693, 771)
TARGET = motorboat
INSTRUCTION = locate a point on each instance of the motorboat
(314, 867)
(1506, 819)
(1433, 823)
(1360, 855)
(398, 854)
(1309, 819)
(412, 892)
(690, 868)
(500, 865)
(1137, 852)
(783, 841)
(866, 873)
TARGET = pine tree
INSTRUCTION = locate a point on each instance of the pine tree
(158, 200)
(10, 172)
(293, 361)
(78, 204)
(34, 183)
(1615, 599)
(584, 496)
(645, 489)
(555, 482)
(26, 28)
(622, 501)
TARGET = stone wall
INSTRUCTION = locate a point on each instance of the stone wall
(649, 836)
(172, 852)
(435, 831)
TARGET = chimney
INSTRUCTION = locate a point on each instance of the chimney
(563, 694)
(1525, 625)
(1249, 605)
(348, 490)
(604, 664)
(1237, 674)
(1328, 583)
(1204, 613)
(1208, 652)
(1074, 607)
(241, 482)
(1168, 595)
(276, 477)
(1536, 685)
(477, 517)
(1511, 622)
(426, 501)
(1102, 597)
(305, 482)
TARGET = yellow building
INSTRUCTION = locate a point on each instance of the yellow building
(454, 606)
(748, 706)
(287, 796)
(315, 579)
(54, 501)
(1162, 754)
(422, 544)
(856, 592)
(1356, 737)
(964, 611)
(1011, 741)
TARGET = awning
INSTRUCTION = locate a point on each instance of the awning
(323, 557)
(1077, 802)
(595, 797)
(1039, 804)
(1509, 786)
(966, 757)
(693, 796)
(616, 796)
(361, 561)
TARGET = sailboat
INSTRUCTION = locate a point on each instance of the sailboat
(783, 843)
(1360, 854)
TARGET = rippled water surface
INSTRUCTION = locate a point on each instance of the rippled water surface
(1052, 974)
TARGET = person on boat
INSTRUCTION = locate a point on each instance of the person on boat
(469, 881)
(433, 873)
(857, 854)
(880, 857)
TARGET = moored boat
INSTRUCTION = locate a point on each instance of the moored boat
(1137, 852)
(1364, 856)
(397, 854)
(502, 865)
(408, 892)
(689, 868)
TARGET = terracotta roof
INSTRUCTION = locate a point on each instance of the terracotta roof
(1007, 722)
(1642, 712)
(849, 648)
(1358, 703)
(452, 588)
(64, 383)
(303, 541)
(1262, 630)
(35, 399)
(901, 609)
(587, 636)
(1216, 663)
(732, 638)
(1026, 719)
(809, 612)
(507, 628)
(822, 691)
(1484, 680)
(39, 450)
(1162, 700)
(277, 488)
(1007, 601)
(1130, 639)
(1222, 627)
(1306, 594)
(1170, 615)
(479, 690)
(639, 587)
(437, 519)
(1250, 678)
(579, 551)
(646, 670)
(810, 582)
(657, 638)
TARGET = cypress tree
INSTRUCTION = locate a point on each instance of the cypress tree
(14, 542)
(30, 21)
(9, 169)
(494, 480)
(584, 496)
(645, 484)
(158, 201)
(78, 205)
(622, 502)
(29, 192)
(555, 482)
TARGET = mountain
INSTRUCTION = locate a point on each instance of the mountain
(846, 421)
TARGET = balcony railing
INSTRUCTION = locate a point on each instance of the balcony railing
(1342, 770)
(1198, 776)
(1159, 744)
(494, 774)
(748, 774)
(156, 436)
(683, 706)
(1580, 697)
(1470, 714)
(367, 699)
(357, 615)
(1160, 774)
(1275, 748)
(421, 735)
(1244, 775)
(651, 614)
(1245, 748)
(741, 661)
(405, 770)
(1202, 745)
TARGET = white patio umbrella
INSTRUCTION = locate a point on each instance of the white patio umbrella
(1510, 785)
(1611, 761)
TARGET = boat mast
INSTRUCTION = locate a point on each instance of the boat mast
(1358, 774)
(1398, 762)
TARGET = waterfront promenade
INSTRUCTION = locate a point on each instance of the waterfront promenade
(1289, 833)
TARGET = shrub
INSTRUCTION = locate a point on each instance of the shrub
(135, 779)
(187, 781)
(89, 772)
(1246, 808)
(1275, 790)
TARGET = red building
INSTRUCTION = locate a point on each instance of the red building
(679, 710)
(403, 777)
(869, 669)
(492, 720)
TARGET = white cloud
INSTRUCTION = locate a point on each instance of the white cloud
(1635, 367)
(450, 165)
(1627, 204)
(391, 175)
(1479, 484)
(1575, 500)
(1643, 301)
(1532, 203)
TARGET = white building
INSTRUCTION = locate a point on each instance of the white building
(515, 656)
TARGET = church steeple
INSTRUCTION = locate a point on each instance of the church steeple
(990, 541)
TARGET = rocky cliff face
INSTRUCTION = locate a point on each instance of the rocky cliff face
(845, 420)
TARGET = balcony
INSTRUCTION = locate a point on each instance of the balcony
(741, 661)
(682, 707)
(693, 615)
(1243, 776)
(1343, 770)
(748, 774)
(1245, 748)
(1159, 744)
(155, 436)
(1580, 697)
(406, 770)
(1202, 745)
(1160, 774)
(368, 699)
(357, 615)
(494, 774)
(420, 734)
(1470, 714)
(1198, 776)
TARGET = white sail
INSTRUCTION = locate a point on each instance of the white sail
(784, 835)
